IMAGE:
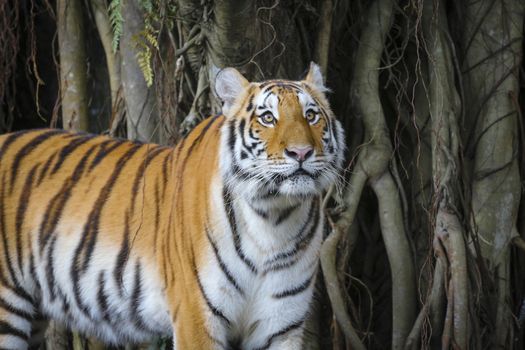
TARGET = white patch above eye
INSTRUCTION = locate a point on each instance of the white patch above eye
(267, 102)
(307, 102)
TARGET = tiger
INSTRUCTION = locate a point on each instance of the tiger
(214, 242)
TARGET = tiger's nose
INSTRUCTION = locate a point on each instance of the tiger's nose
(300, 154)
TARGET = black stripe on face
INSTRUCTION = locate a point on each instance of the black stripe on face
(222, 265)
(293, 326)
(7, 329)
(212, 307)
(250, 105)
(230, 213)
(242, 125)
(294, 291)
(231, 136)
(27, 149)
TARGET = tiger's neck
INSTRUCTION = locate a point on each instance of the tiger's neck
(271, 223)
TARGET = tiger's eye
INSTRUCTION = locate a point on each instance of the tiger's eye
(267, 118)
(311, 116)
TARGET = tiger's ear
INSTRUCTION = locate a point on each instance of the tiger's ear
(229, 84)
(315, 77)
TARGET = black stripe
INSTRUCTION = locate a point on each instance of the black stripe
(249, 148)
(301, 239)
(199, 138)
(157, 217)
(90, 231)
(259, 212)
(294, 291)
(285, 214)
(104, 150)
(222, 265)
(86, 246)
(7, 329)
(45, 168)
(233, 227)
(195, 143)
(122, 257)
(101, 296)
(165, 164)
(66, 151)
(23, 201)
(7, 256)
(14, 310)
(125, 246)
(17, 290)
(250, 104)
(50, 275)
(57, 204)
(231, 136)
(212, 307)
(10, 139)
(283, 331)
(32, 270)
(151, 154)
(27, 149)
(251, 134)
(136, 299)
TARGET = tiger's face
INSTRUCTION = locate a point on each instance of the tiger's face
(280, 137)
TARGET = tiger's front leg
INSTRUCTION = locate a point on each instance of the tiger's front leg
(293, 341)
(197, 328)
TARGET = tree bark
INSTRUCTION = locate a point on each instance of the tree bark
(376, 154)
(72, 65)
(141, 110)
(100, 12)
(493, 50)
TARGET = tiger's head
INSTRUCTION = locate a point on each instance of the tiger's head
(280, 137)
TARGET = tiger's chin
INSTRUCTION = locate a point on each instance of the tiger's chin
(302, 186)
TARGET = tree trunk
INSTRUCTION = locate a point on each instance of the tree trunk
(141, 110)
(72, 65)
(493, 50)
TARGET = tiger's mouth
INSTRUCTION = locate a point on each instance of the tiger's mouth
(299, 172)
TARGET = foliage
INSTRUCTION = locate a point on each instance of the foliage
(116, 20)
